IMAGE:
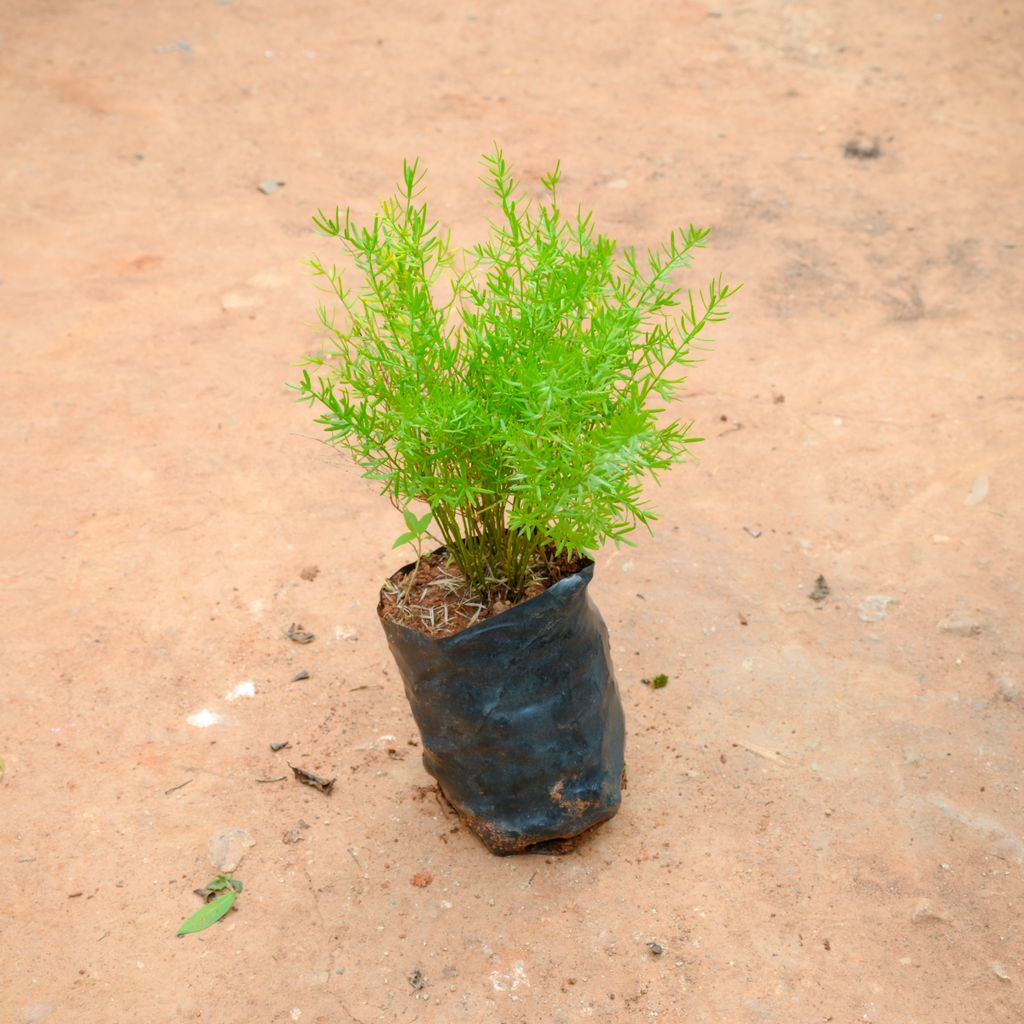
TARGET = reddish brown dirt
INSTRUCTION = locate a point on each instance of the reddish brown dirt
(824, 818)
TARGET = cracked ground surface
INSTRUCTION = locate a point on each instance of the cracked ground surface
(823, 820)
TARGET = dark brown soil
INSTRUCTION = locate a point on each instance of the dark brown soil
(438, 600)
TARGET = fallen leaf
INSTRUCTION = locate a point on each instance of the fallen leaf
(309, 779)
(209, 914)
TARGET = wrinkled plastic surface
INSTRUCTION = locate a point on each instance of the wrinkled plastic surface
(520, 717)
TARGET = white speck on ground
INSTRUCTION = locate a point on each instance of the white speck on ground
(874, 608)
(978, 492)
(509, 981)
(204, 719)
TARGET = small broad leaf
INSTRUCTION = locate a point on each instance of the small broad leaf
(406, 538)
(209, 914)
(220, 882)
(410, 520)
(422, 524)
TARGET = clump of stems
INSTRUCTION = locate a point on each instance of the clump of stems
(518, 389)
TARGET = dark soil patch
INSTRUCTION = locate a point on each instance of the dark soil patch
(439, 601)
(857, 149)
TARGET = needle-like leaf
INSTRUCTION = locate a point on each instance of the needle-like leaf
(514, 392)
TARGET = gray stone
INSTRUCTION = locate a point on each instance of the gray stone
(978, 491)
(925, 912)
(36, 1013)
(874, 608)
(228, 846)
(961, 625)
(181, 46)
(1009, 688)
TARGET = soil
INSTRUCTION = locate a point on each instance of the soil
(437, 599)
(824, 818)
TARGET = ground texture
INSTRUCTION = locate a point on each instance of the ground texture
(824, 813)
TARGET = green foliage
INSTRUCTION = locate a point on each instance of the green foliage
(416, 529)
(210, 913)
(518, 389)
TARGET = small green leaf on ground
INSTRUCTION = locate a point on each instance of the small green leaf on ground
(209, 914)
(656, 682)
(222, 882)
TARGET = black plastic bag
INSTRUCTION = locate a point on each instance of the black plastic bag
(520, 717)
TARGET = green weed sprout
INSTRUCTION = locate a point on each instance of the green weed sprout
(517, 389)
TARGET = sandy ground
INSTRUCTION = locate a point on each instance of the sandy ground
(824, 817)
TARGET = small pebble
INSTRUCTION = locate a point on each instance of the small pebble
(227, 848)
(299, 676)
(279, 745)
(36, 1013)
(656, 948)
(299, 634)
(181, 45)
(978, 491)
(874, 608)
(1009, 689)
(753, 531)
(961, 625)
(860, 150)
(924, 911)
(270, 186)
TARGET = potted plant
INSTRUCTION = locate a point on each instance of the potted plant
(510, 400)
